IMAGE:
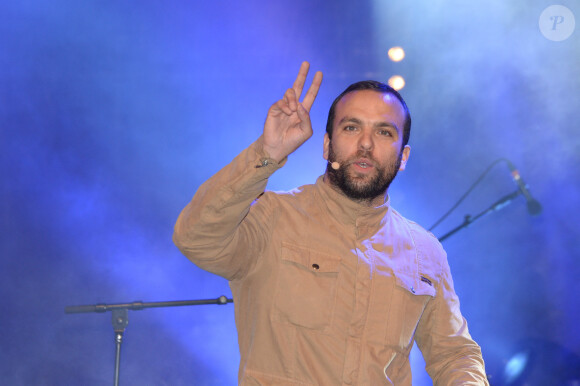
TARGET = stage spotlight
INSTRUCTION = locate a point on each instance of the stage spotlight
(396, 54)
(397, 82)
(516, 367)
(539, 362)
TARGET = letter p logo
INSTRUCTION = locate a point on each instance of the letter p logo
(557, 23)
(557, 20)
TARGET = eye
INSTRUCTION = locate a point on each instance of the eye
(349, 128)
(385, 132)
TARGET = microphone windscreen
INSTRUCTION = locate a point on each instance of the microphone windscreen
(335, 165)
(534, 207)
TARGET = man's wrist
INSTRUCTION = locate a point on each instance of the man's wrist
(268, 153)
(265, 158)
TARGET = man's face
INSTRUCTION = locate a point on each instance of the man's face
(366, 141)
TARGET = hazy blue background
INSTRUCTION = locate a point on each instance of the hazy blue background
(112, 113)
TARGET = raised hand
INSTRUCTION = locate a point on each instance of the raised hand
(288, 123)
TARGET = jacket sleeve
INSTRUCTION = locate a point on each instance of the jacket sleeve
(452, 357)
(215, 230)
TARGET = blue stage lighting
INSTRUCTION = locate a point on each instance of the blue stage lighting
(516, 367)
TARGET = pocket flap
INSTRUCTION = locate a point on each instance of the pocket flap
(417, 285)
(310, 260)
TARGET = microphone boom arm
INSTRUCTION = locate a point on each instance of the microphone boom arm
(120, 317)
(499, 204)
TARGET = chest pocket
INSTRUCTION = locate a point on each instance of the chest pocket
(409, 299)
(306, 288)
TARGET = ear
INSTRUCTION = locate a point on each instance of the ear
(405, 157)
(325, 146)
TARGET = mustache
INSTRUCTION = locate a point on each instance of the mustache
(362, 154)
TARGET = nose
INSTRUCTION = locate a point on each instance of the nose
(366, 140)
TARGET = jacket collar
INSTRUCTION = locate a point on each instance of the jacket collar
(348, 211)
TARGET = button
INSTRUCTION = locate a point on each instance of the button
(315, 266)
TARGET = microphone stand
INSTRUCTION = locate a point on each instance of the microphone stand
(120, 317)
(500, 204)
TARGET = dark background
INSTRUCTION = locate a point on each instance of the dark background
(112, 113)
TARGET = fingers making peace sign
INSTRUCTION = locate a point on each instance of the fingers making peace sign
(288, 123)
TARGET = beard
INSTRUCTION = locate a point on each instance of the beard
(365, 187)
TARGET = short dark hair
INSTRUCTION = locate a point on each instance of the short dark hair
(374, 86)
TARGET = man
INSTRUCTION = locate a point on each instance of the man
(331, 285)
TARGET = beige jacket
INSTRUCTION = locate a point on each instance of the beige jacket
(326, 291)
